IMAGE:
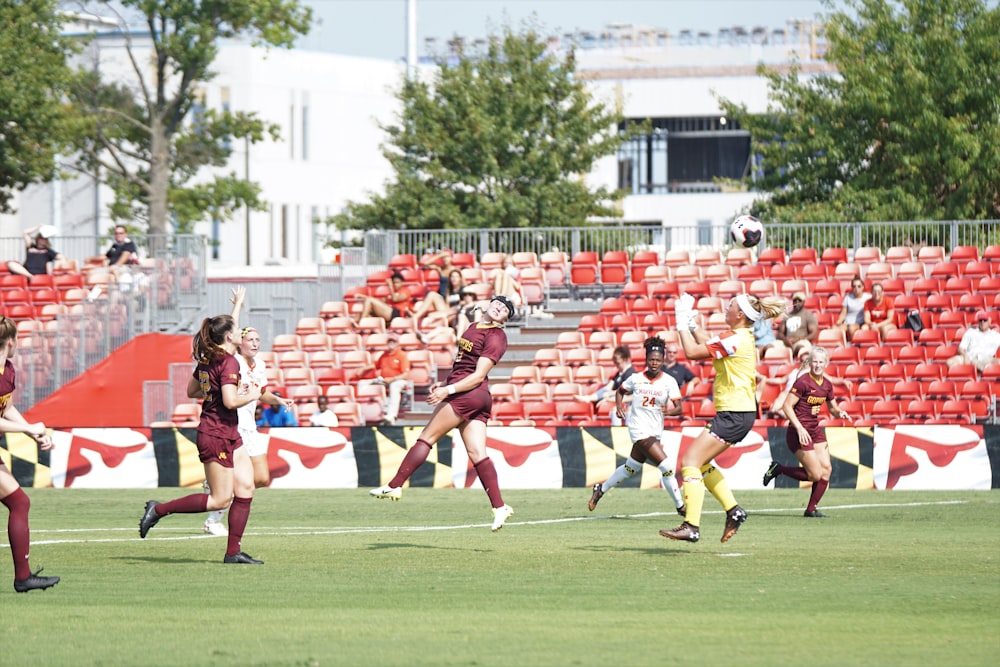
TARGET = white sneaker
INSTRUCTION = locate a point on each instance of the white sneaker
(387, 492)
(215, 528)
(500, 516)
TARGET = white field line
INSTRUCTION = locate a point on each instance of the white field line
(157, 534)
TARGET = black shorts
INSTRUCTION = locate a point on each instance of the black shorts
(731, 427)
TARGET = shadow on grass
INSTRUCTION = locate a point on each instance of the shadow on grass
(163, 560)
(381, 546)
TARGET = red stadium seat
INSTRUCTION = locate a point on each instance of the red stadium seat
(772, 256)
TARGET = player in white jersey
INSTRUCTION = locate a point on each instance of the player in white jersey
(252, 374)
(655, 394)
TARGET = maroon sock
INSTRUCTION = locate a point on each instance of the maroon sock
(794, 472)
(239, 514)
(488, 476)
(193, 504)
(819, 488)
(414, 458)
(17, 532)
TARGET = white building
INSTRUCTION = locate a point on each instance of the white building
(329, 107)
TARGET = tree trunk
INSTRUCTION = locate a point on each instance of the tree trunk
(159, 181)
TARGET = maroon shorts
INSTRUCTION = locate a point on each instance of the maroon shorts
(817, 434)
(474, 404)
(220, 450)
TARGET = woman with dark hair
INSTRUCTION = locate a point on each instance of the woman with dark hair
(216, 380)
(464, 402)
(734, 357)
(11, 494)
(655, 395)
(852, 314)
(398, 304)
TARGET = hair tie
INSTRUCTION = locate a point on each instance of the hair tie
(246, 331)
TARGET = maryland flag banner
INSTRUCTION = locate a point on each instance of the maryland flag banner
(903, 457)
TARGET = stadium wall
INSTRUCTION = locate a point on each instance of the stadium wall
(938, 457)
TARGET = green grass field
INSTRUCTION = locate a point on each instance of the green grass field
(891, 578)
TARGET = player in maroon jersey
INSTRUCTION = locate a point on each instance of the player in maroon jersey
(227, 464)
(464, 402)
(805, 437)
(11, 495)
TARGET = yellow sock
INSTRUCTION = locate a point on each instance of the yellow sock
(718, 486)
(694, 494)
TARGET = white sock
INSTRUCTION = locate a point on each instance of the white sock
(215, 516)
(621, 473)
(669, 483)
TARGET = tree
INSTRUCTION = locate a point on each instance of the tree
(498, 138)
(908, 129)
(33, 76)
(149, 139)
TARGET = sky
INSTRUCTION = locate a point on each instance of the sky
(377, 28)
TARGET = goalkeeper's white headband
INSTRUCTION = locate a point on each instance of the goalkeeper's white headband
(744, 303)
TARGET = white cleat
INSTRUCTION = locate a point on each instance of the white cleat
(500, 516)
(387, 492)
(215, 528)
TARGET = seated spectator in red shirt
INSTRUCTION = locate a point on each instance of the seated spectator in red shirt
(879, 313)
(399, 303)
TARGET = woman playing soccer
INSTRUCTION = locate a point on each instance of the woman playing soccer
(11, 495)
(807, 439)
(227, 464)
(253, 372)
(655, 394)
(734, 357)
(464, 402)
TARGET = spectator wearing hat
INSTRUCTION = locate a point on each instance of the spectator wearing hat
(392, 370)
(979, 344)
(276, 416)
(800, 323)
(39, 254)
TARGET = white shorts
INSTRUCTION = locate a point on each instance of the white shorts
(254, 441)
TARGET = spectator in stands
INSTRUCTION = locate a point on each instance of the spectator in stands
(805, 438)
(852, 314)
(879, 314)
(441, 309)
(979, 344)
(323, 416)
(622, 359)
(400, 301)
(440, 262)
(392, 370)
(684, 376)
(11, 495)
(39, 254)
(276, 416)
(799, 324)
(122, 251)
(763, 334)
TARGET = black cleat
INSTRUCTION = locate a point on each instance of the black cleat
(595, 497)
(814, 514)
(772, 472)
(35, 582)
(683, 511)
(149, 518)
(734, 519)
(684, 532)
(242, 559)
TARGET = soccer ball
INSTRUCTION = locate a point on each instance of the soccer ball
(746, 231)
